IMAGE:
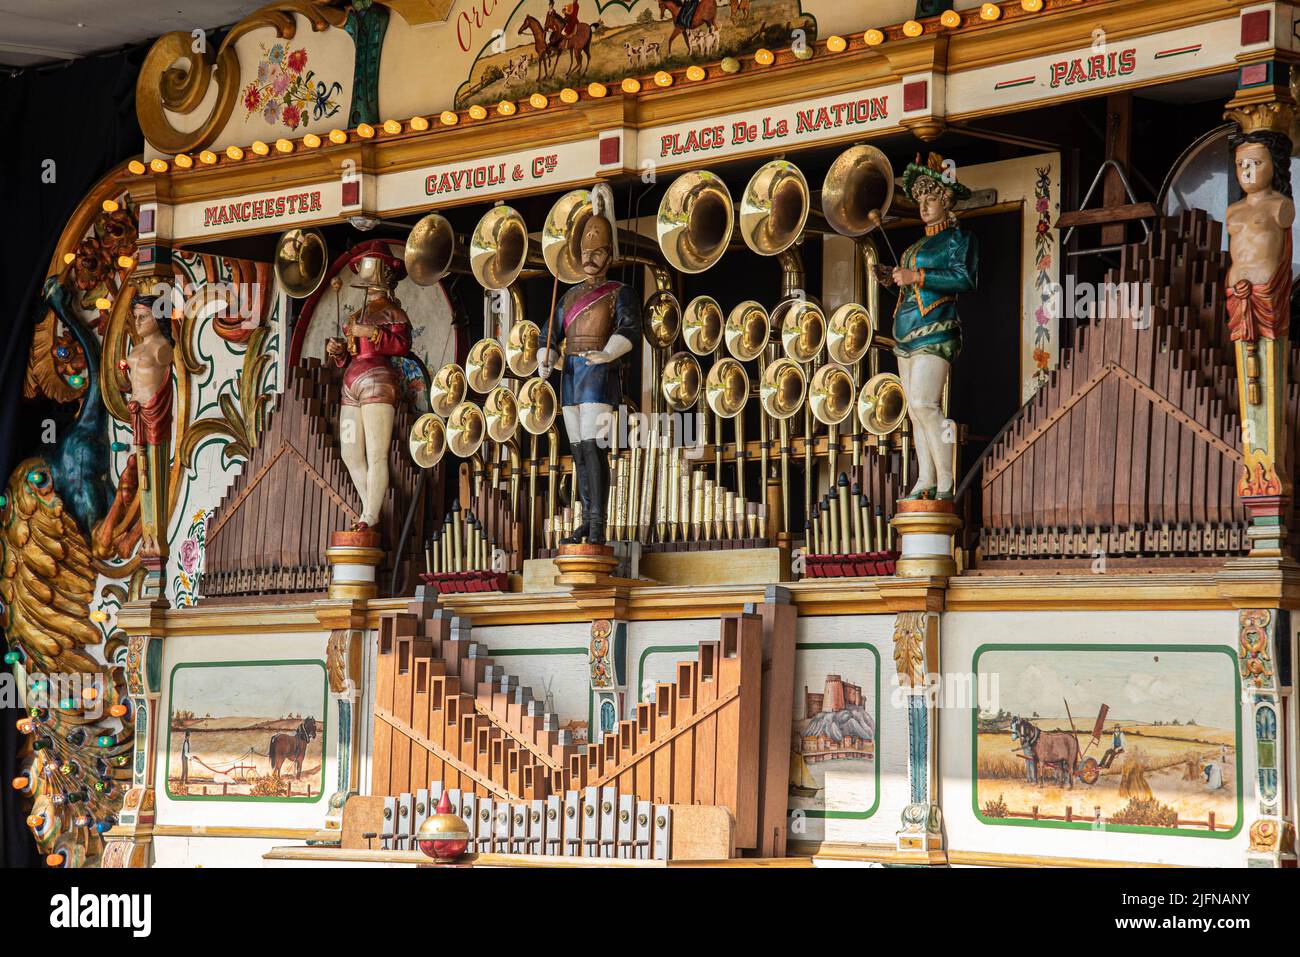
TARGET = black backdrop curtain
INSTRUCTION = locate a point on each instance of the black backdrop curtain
(82, 117)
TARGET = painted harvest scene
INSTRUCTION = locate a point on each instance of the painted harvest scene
(551, 44)
(247, 731)
(1141, 737)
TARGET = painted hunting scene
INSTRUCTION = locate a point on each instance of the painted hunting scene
(1109, 737)
(247, 732)
(552, 44)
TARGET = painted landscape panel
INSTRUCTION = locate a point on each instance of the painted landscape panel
(1123, 738)
(242, 731)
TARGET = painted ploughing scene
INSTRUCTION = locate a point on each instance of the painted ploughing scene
(1109, 737)
(551, 44)
(247, 731)
(833, 739)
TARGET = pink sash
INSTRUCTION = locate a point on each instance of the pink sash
(589, 299)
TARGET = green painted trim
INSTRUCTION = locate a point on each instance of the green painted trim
(875, 806)
(247, 798)
(1088, 825)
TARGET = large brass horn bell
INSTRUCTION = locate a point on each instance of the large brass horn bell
(466, 429)
(858, 190)
(447, 390)
(428, 441)
(849, 332)
(430, 250)
(485, 365)
(702, 325)
(498, 250)
(803, 328)
(781, 390)
(747, 330)
(695, 221)
(301, 261)
(830, 394)
(502, 413)
(882, 404)
(562, 235)
(521, 347)
(726, 388)
(663, 319)
(775, 208)
(681, 381)
(537, 406)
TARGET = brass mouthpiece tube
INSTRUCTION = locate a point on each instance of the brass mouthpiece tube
(858, 541)
(846, 522)
(552, 481)
(833, 543)
(458, 538)
(697, 503)
(813, 532)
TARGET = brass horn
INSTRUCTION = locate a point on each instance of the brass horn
(782, 388)
(702, 325)
(447, 389)
(830, 394)
(537, 406)
(465, 430)
(774, 209)
(521, 348)
(747, 330)
(502, 413)
(498, 250)
(726, 388)
(849, 333)
(485, 365)
(430, 250)
(428, 441)
(803, 328)
(301, 261)
(562, 235)
(681, 381)
(663, 319)
(858, 190)
(695, 221)
(882, 404)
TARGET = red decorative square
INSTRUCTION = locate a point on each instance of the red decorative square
(1253, 75)
(1256, 26)
(352, 192)
(146, 220)
(916, 96)
(611, 150)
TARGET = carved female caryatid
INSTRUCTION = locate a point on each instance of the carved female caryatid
(931, 274)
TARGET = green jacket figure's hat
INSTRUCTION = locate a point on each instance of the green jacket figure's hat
(933, 169)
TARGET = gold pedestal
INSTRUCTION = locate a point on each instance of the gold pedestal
(585, 565)
(925, 538)
(354, 559)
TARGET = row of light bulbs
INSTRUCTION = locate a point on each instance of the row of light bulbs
(949, 19)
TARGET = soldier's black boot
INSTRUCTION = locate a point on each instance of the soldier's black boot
(598, 488)
(580, 529)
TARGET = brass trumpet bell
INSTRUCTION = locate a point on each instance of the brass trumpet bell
(430, 249)
(726, 388)
(485, 365)
(858, 190)
(775, 208)
(521, 348)
(537, 406)
(882, 404)
(663, 319)
(747, 330)
(781, 390)
(498, 249)
(502, 413)
(465, 430)
(428, 441)
(831, 394)
(681, 381)
(803, 328)
(562, 235)
(447, 389)
(849, 332)
(696, 218)
(301, 261)
(702, 325)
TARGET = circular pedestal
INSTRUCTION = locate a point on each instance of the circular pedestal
(925, 538)
(584, 564)
(354, 559)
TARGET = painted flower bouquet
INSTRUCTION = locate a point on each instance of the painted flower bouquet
(285, 91)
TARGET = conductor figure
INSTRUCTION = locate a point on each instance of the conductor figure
(598, 320)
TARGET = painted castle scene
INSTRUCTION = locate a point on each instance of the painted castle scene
(833, 741)
(1133, 738)
(247, 731)
(552, 44)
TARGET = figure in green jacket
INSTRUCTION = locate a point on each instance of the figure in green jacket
(930, 276)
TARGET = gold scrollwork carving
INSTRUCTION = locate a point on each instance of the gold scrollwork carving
(909, 648)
